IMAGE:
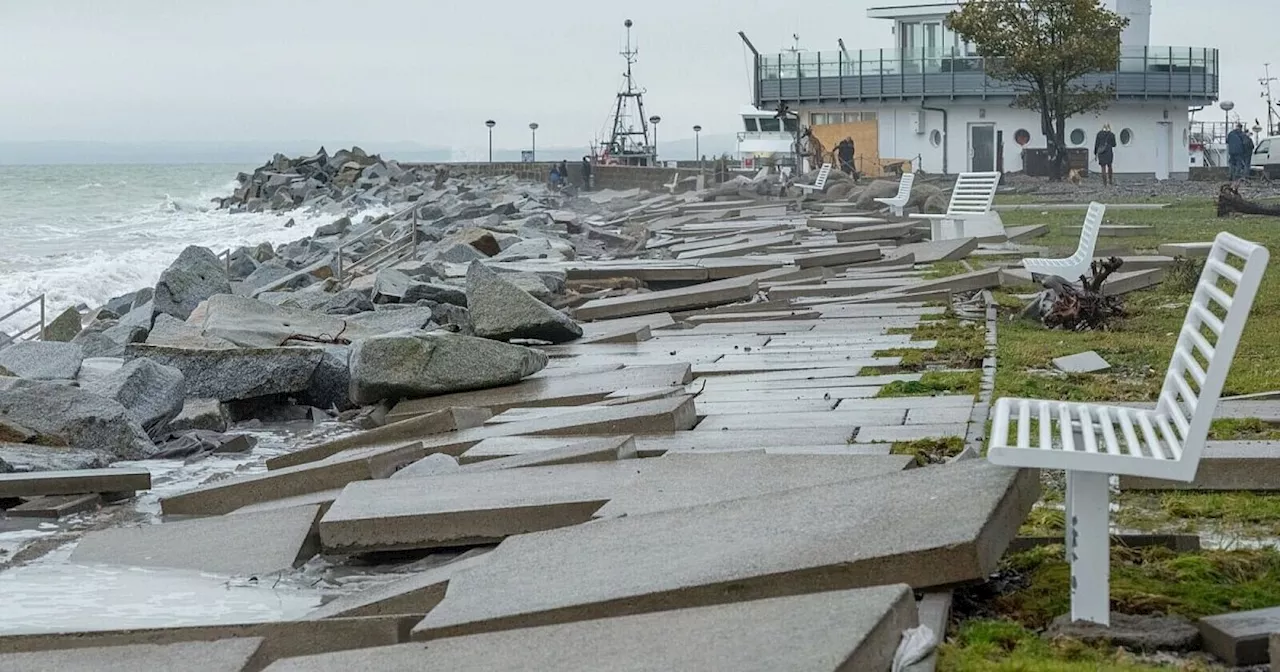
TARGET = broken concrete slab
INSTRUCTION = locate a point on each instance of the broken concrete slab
(1225, 465)
(1240, 638)
(1084, 362)
(839, 256)
(1123, 283)
(759, 547)
(682, 479)
(987, 278)
(818, 632)
(78, 482)
(667, 414)
(843, 223)
(686, 298)
(246, 544)
(55, 506)
(282, 639)
(850, 419)
(228, 655)
(914, 432)
(528, 451)
(1117, 230)
(467, 509)
(415, 594)
(875, 232)
(749, 439)
(447, 419)
(434, 464)
(1186, 250)
(930, 252)
(561, 391)
(1023, 233)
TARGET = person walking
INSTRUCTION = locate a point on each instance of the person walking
(845, 150)
(586, 173)
(1246, 159)
(1104, 149)
(564, 171)
(1236, 156)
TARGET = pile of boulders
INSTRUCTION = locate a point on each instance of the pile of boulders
(310, 329)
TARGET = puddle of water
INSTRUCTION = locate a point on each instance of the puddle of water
(54, 595)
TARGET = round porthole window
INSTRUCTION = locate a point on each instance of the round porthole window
(935, 138)
(1077, 136)
(1126, 136)
(1022, 136)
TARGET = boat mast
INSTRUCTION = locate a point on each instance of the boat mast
(627, 144)
(1273, 118)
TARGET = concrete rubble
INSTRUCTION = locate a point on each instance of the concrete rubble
(639, 417)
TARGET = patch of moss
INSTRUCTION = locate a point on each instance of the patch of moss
(933, 383)
(945, 269)
(1150, 580)
(1043, 521)
(1242, 429)
(930, 451)
(959, 345)
(1243, 514)
(1004, 646)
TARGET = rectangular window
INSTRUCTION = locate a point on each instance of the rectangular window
(851, 117)
(770, 125)
(817, 119)
(751, 125)
(869, 115)
(791, 125)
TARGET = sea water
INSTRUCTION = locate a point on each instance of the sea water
(83, 234)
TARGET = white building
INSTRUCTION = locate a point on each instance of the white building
(927, 99)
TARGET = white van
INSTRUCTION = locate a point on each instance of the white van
(1266, 157)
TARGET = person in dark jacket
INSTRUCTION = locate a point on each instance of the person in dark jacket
(1246, 160)
(1104, 149)
(586, 173)
(1237, 157)
(844, 151)
(564, 171)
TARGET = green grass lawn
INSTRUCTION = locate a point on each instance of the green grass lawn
(1140, 346)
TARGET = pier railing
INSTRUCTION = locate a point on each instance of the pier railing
(38, 327)
(393, 251)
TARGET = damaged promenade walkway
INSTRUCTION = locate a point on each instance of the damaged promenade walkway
(748, 465)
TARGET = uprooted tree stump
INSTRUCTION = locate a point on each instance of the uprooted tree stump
(1230, 200)
(1064, 305)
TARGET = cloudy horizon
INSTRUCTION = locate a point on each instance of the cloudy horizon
(147, 71)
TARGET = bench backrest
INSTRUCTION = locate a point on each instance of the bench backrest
(1089, 232)
(1207, 343)
(823, 174)
(904, 186)
(973, 193)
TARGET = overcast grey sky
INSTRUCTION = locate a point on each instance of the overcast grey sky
(433, 70)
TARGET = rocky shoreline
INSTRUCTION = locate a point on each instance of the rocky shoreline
(303, 330)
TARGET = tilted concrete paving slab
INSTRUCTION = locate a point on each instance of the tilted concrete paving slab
(686, 298)
(837, 256)
(417, 593)
(78, 482)
(875, 232)
(887, 434)
(1225, 465)
(228, 655)
(55, 506)
(504, 451)
(941, 250)
(683, 479)
(1241, 638)
(251, 543)
(837, 418)
(281, 639)
(468, 508)
(435, 421)
(561, 391)
(923, 527)
(746, 439)
(843, 223)
(818, 632)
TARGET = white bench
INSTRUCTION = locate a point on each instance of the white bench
(898, 202)
(675, 183)
(1076, 265)
(819, 184)
(969, 215)
(1093, 441)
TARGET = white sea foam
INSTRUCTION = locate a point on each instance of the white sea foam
(89, 257)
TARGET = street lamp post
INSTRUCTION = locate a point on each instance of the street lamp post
(490, 123)
(697, 145)
(534, 129)
(655, 120)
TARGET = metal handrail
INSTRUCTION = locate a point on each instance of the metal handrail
(393, 249)
(38, 325)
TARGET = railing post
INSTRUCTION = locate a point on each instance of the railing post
(42, 317)
(819, 77)
(340, 278)
(415, 234)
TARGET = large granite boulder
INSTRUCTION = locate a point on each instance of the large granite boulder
(142, 316)
(196, 275)
(395, 318)
(43, 360)
(252, 323)
(877, 189)
(86, 421)
(64, 327)
(152, 393)
(393, 286)
(347, 302)
(273, 271)
(432, 363)
(104, 339)
(330, 385)
(240, 373)
(171, 331)
(921, 193)
(502, 311)
(538, 248)
(208, 414)
(27, 457)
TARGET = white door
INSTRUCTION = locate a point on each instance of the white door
(1164, 149)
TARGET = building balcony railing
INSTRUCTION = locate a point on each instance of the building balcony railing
(879, 74)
